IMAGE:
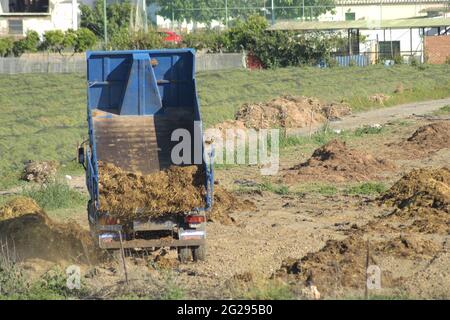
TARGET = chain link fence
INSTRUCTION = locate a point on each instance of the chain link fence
(77, 64)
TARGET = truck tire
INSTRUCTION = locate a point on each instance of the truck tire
(184, 254)
(199, 253)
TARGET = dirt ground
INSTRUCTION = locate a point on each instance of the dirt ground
(303, 238)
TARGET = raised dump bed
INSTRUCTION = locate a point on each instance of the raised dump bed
(136, 100)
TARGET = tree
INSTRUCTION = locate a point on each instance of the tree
(118, 17)
(207, 10)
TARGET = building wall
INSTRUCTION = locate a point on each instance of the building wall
(437, 49)
(63, 15)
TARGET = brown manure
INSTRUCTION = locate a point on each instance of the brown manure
(129, 195)
(338, 265)
(422, 195)
(425, 140)
(34, 235)
(226, 202)
(18, 206)
(285, 112)
(336, 162)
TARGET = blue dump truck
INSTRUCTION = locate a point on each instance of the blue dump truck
(135, 101)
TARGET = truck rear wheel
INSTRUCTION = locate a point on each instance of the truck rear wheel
(184, 254)
(199, 253)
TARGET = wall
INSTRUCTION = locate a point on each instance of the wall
(437, 49)
(55, 63)
(63, 15)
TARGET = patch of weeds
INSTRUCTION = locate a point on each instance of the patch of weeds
(366, 188)
(445, 110)
(172, 291)
(12, 280)
(55, 195)
(327, 190)
(368, 130)
(277, 189)
(268, 290)
(53, 286)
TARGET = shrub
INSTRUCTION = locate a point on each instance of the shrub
(447, 60)
(28, 44)
(85, 39)
(413, 61)
(6, 46)
(54, 40)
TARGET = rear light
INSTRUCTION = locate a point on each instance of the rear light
(194, 219)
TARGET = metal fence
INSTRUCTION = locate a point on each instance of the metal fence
(77, 64)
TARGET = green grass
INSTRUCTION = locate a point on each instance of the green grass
(445, 110)
(223, 92)
(366, 188)
(57, 195)
(44, 115)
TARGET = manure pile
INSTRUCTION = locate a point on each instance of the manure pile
(29, 233)
(425, 140)
(336, 162)
(285, 112)
(341, 264)
(422, 195)
(130, 195)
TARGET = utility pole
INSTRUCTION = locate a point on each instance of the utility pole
(273, 12)
(105, 26)
(303, 10)
(226, 14)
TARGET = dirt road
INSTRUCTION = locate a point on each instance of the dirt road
(379, 116)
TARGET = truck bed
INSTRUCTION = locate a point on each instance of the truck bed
(138, 143)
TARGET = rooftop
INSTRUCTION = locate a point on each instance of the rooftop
(361, 24)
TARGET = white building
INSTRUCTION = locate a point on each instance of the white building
(18, 16)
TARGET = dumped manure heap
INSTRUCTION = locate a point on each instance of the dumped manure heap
(29, 233)
(18, 206)
(285, 112)
(425, 140)
(130, 195)
(422, 195)
(336, 162)
(226, 202)
(341, 264)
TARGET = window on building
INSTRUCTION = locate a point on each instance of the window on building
(15, 26)
(389, 49)
(350, 16)
(32, 6)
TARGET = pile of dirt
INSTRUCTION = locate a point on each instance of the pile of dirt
(424, 196)
(338, 265)
(129, 195)
(427, 139)
(285, 112)
(40, 171)
(342, 264)
(226, 202)
(336, 162)
(32, 234)
(18, 206)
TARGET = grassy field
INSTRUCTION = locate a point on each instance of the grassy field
(44, 116)
(222, 92)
